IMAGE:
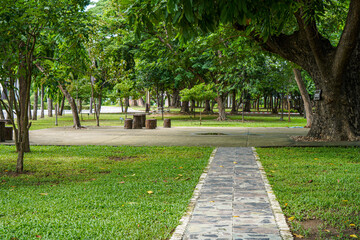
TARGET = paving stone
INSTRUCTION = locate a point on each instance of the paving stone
(233, 202)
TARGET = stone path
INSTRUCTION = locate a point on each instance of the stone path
(233, 202)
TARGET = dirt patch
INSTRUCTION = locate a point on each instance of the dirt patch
(122, 158)
(317, 229)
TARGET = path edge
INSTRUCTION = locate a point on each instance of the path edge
(275, 206)
(184, 221)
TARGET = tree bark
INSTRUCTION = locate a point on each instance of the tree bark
(1, 112)
(22, 131)
(175, 102)
(35, 104)
(185, 107)
(61, 108)
(50, 107)
(42, 96)
(221, 101)
(91, 105)
(71, 100)
(98, 109)
(234, 109)
(207, 109)
(29, 110)
(192, 106)
(79, 105)
(305, 97)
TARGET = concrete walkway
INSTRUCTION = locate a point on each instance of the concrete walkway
(233, 202)
(177, 136)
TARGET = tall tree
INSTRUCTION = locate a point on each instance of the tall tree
(23, 26)
(293, 30)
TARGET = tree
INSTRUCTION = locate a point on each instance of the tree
(23, 26)
(200, 92)
(295, 31)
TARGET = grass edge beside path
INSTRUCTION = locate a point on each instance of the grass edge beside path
(317, 188)
(97, 192)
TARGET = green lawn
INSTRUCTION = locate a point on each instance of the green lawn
(178, 120)
(318, 188)
(97, 192)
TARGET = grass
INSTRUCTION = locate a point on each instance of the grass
(317, 188)
(178, 120)
(97, 192)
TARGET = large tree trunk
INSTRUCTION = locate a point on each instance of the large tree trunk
(207, 108)
(305, 97)
(175, 101)
(185, 107)
(221, 101)
(335, 71)
(35, 104)
(42, 95)
(71, 100)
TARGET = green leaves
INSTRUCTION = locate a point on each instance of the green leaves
(199, 92)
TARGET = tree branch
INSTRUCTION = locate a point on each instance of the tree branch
(315, 43)
(348, 39)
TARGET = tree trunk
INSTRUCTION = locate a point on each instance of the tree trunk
(42, 96)
(1, 112)
(71, 100)
(79, 105)
(49, 102)
(98, 109)
(61, 108)
(175, 102)
(22, 138)
(207, 109)
(213, 102)
(221, 101)
(247, 105)
(305, 97)
(192, 105)
(185, 107)
(126, 106)
(35, 104)
(29, 110)
(91, 105)
(234, 109)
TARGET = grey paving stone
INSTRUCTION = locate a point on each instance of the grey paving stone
(233, 202)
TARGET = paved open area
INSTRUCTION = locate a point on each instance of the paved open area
(176, 136)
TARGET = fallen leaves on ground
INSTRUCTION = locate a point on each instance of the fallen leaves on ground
(291, 218)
